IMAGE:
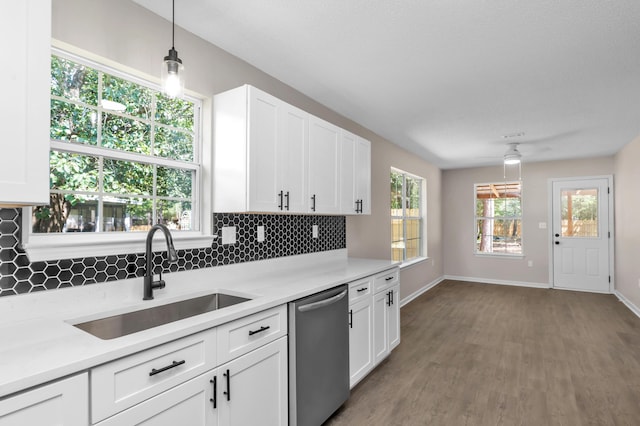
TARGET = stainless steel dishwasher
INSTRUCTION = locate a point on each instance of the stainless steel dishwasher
(318, 356)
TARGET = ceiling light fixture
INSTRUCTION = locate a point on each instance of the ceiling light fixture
(512, 156)
(172, 68)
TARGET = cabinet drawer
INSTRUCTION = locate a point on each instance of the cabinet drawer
(125, 382)
(246, 334)
(359, 289)
(386, 279)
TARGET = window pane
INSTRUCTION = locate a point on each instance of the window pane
(513, 207)
(174, 182)
(73, 81)
(396, 194)
(70, 122)
(135, 99)
(72, 172)
(580, 213)
(173, 144)
(175, 214)
(175, 112)
(66, 213)
(498, 212)
(125, 177)
(484, 232)
(397, 239)
(127, 214)
(125, 134)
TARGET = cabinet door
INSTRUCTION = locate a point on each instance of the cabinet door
(394, 318)
(294, 146)
(252, 389)
(24, 113)
(264, 111)
(360, 340)
(363, 174)
(190, 403)
(348, 174)
(380, 329)
(324, 166)
(65, 402)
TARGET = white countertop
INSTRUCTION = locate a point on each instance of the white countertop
(40, 344)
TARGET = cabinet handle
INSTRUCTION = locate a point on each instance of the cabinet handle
(391, 294)
(360, 290)
(359, 209)
(389, 278)
(263, 328)
(214, 400)
(350, 318)
(174, 364)
(228, 391)
(357, 204)
(313, 205)
(389, 299)
(286, 196)
(280, 195)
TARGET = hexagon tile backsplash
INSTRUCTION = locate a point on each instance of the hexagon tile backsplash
(285, 235)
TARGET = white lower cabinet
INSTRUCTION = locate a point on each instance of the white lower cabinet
(374, 319)
(386, 322)
(250, 390)
(253, 388)
(64, 402)
(234, 374)
(360, 340)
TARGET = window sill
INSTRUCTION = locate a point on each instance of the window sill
(51, 247)
(412, 262)
(500, 255)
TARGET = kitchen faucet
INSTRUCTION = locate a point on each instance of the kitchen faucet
(149, 283)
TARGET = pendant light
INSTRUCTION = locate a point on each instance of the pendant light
(172, 68)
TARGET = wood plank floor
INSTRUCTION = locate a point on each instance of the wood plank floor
(479, 354)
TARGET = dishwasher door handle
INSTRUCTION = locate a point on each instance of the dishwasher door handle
(322, 303)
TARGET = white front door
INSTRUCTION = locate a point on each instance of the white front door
(581, 234)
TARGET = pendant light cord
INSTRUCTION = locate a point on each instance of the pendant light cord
(173, 23)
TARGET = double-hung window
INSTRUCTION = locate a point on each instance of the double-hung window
(123, 156)
(407, 216)
(498, 218)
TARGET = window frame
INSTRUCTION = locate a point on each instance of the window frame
(476, 252)
(422, 255)
(42, 246)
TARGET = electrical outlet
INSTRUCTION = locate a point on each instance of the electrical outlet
(260, 233)
(228, 235)
(315, 231)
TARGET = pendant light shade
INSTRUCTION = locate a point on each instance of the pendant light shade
(172, 75)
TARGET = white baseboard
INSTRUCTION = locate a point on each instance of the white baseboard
(500, 282)
(420, 291)
(633, 308)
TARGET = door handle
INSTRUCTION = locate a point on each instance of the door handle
(322, 303)
(280, 194)
(557, 235)
(351, 318)
(286, 196)
(557, 242)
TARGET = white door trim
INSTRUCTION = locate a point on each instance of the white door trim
(550, 182)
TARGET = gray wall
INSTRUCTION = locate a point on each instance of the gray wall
(458, 219)
(128, 34)
(628, 222)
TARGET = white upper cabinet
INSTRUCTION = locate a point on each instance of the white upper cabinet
(24, 112)
(260, 153)
(270, 156)
(355, 183)
(324, 166)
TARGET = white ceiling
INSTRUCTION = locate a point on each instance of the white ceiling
(447, 79)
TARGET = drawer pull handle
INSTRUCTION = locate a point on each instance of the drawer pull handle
(252, 332)
(389, 278)
(168, 367)
(362, 289)
(214, 382)
(228, 391)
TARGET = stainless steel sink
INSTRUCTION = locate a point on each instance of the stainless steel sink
(132, 322)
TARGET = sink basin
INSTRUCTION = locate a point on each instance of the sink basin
(132, 322)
